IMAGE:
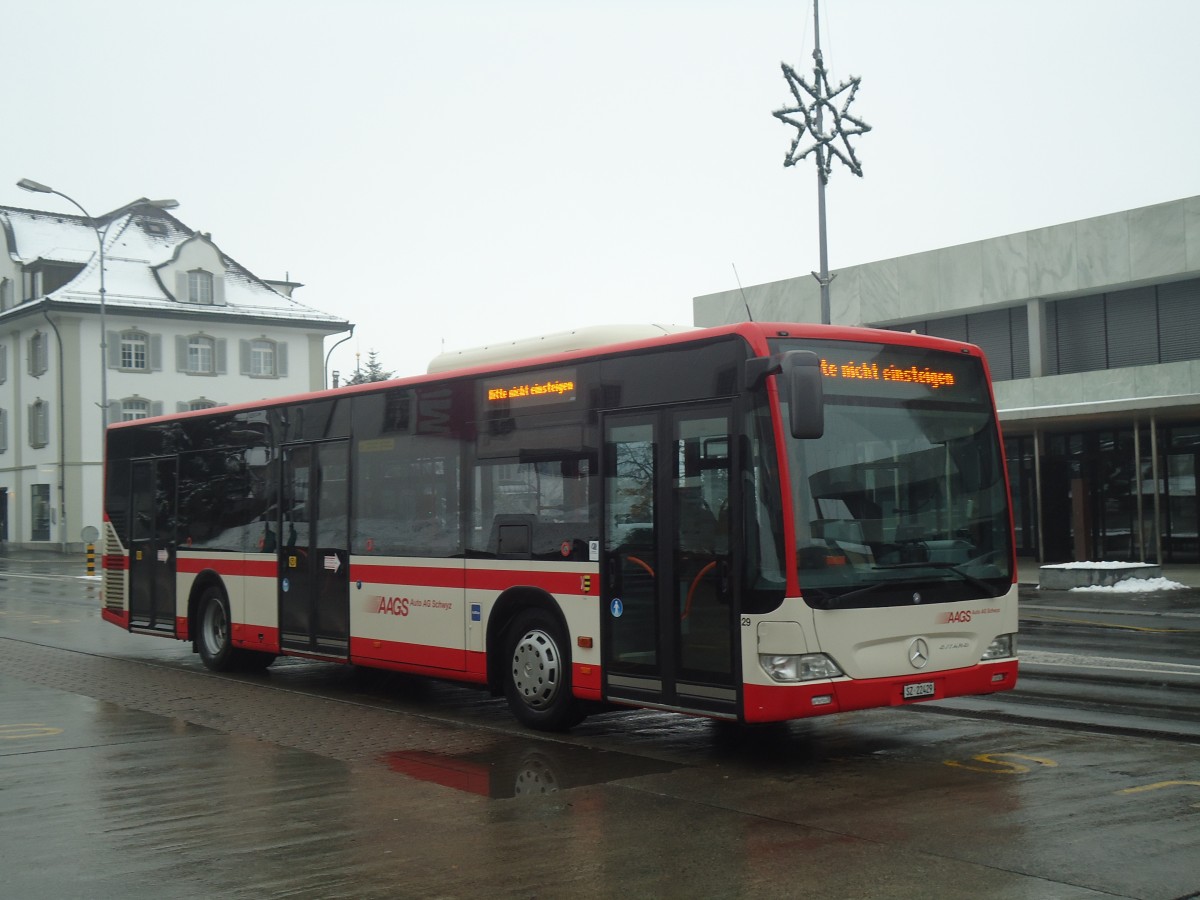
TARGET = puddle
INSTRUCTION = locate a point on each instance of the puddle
(521, 768)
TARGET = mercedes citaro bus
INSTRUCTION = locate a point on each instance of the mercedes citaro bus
(756, 522)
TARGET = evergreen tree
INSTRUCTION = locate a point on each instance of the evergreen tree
(372, 372)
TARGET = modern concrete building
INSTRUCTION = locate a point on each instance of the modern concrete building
(1092, 332)
(161, 321)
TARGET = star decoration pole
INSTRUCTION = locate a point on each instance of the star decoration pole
(807, 116)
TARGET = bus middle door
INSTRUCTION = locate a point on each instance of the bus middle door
(314, 558)
(670, 603)
(152, 546)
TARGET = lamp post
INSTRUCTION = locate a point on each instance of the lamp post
(28, 184)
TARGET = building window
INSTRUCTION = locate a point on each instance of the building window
(39, 354)
(40, 513)
(135, 347)
(262, 358)
(200, 287)
(39, 423)
(201, 355)
(198, 354)
(197, 405)
(134, 408)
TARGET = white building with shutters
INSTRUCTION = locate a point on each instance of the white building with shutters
(178, 324)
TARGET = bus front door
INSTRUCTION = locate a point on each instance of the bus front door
(152, 547)
(314, 558)
(670, 603)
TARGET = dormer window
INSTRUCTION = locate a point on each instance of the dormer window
(200, 287)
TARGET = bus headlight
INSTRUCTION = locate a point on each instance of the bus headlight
(792, 668)
(1001, 648)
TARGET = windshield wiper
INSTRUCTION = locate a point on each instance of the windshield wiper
(948, 567)
(833, 602)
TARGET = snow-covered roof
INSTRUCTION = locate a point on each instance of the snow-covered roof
(138, 241)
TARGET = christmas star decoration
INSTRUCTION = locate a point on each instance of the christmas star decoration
(818, 119)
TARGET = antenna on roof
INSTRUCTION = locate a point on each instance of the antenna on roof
(745, 302)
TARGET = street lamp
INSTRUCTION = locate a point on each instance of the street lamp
(28, 184)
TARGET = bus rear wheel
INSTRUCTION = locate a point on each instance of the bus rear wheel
(537, 675)
(214, 639)
(212, 635)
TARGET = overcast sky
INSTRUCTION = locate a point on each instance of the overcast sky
(449, 174)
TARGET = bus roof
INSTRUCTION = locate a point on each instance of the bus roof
(586, 342)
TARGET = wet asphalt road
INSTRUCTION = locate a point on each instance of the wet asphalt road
(126, 770)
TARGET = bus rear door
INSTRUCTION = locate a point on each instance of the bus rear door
(314, 559)
(670, 603)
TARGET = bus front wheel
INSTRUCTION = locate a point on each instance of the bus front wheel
(537, 676)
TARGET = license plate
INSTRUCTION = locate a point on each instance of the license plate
(920, 689)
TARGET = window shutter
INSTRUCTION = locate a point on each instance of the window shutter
(1132, 328)
(281, 359)
(219, 353)
(1019, 327)
(180, 406)
(181, 345)
(218, 288)
(181, 287)
(244, 357)
(114, 412)
(3, 363)
(1081, 344)
(156, 353)
(112, 349)
(951, 327)
(39, 423)
(1179, 320)
(156, 407)
(990, 331)
(3, 430)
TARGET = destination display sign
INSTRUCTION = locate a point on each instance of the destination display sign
(531, 389)
(897, 372)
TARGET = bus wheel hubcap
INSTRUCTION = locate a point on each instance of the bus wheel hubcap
(535, 669)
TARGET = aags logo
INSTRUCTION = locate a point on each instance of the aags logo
(396, 606)
(962, 616)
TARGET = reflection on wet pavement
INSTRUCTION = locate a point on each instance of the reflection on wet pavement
(517, 768)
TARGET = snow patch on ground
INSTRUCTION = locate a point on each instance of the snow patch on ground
(1136, 586)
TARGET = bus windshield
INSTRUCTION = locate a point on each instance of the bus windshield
(903, 499)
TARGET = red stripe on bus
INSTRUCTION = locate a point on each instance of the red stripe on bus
(116, 617)
(230, 566)
(426, 576)
(255, 637)
(551, 582)
(475, 579)
(585, 681)
(418, 658)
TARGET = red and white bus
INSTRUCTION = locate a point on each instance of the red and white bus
(756, 522)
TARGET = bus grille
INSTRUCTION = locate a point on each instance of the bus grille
(114, 578)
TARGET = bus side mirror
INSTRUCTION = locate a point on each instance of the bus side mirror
(806, 394)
